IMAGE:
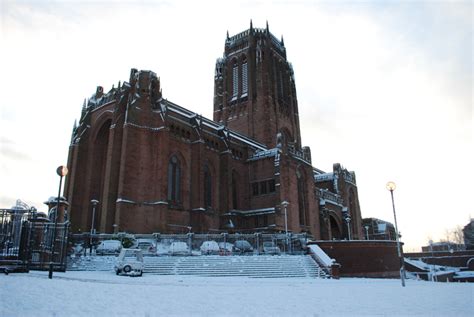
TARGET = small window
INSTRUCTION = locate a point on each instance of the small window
(263, 188)
(255, 189)
(174, 180)
(207, 188)
(234, 191)
(271, 186)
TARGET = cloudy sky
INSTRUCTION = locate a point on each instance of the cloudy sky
(384, 88)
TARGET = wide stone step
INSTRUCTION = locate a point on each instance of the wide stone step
(264, 266)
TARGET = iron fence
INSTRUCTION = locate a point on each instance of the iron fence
(26, 241)
(85, 243)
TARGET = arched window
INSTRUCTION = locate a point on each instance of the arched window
(245, 86)
(235, 204)
(174, 180)
(235, 80)
(302, 199)
(207, 188)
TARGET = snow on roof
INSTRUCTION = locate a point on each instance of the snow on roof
(263, 154)
(213, 125)
(324, 177)
(252, 212)
(418, 264)
(54, 200)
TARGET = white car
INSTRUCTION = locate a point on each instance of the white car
(209, 247)
(109, 247)
(179, 248)
(129, 262)
(225, 248)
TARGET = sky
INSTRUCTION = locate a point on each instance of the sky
(384, 87)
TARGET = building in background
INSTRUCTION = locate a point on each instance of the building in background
(377, 229)
(155, 166)
(468, 232)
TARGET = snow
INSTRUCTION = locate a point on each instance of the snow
(105, 294)
(321, 255)
(438, 269)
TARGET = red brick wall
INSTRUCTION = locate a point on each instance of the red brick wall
(364, 258)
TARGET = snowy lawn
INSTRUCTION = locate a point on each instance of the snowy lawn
(105, 294)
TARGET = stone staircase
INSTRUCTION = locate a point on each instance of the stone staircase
(91, 263)
(261, 266)
(251, 266)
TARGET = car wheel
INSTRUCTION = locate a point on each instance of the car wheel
(127, 268)
(141, 273)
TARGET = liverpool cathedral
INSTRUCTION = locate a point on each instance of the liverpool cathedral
(155, 166)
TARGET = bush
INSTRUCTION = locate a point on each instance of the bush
(127, 242)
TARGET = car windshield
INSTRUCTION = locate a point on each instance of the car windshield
(110, 243)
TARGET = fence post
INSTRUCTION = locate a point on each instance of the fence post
(190, 242)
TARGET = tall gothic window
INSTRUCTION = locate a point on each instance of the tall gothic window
(235, 80)
(301, 199)
(207, 188)
(174, 180)
(244, 78)
(234, 191)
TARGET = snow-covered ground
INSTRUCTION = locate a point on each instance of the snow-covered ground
(105, 294)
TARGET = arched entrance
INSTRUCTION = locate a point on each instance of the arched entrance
(335, 228)
(99, 160)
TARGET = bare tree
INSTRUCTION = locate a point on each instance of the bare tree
(457, 235)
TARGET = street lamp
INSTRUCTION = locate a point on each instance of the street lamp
(94, 203)
(366, 232)
(61, 171)
(285, 204)
(391, 187)
(348, 219)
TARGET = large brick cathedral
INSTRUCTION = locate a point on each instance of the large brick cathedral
(155, 166)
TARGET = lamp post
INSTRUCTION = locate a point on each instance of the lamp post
(391, 187)
(348, 222)
(61, 171)
(94, 203)
(366, 232)
(347, 218)
(432, 267)
(285, 204)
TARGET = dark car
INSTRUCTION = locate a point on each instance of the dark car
(242, 246)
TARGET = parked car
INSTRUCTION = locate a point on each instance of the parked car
(209, 247)
(109, 247)
(129, 262)
(148, 246)
(178, 248)
(270, 248)
(242, 246)
(225, 248)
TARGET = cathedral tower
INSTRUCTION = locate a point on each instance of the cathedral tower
(254, 88)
